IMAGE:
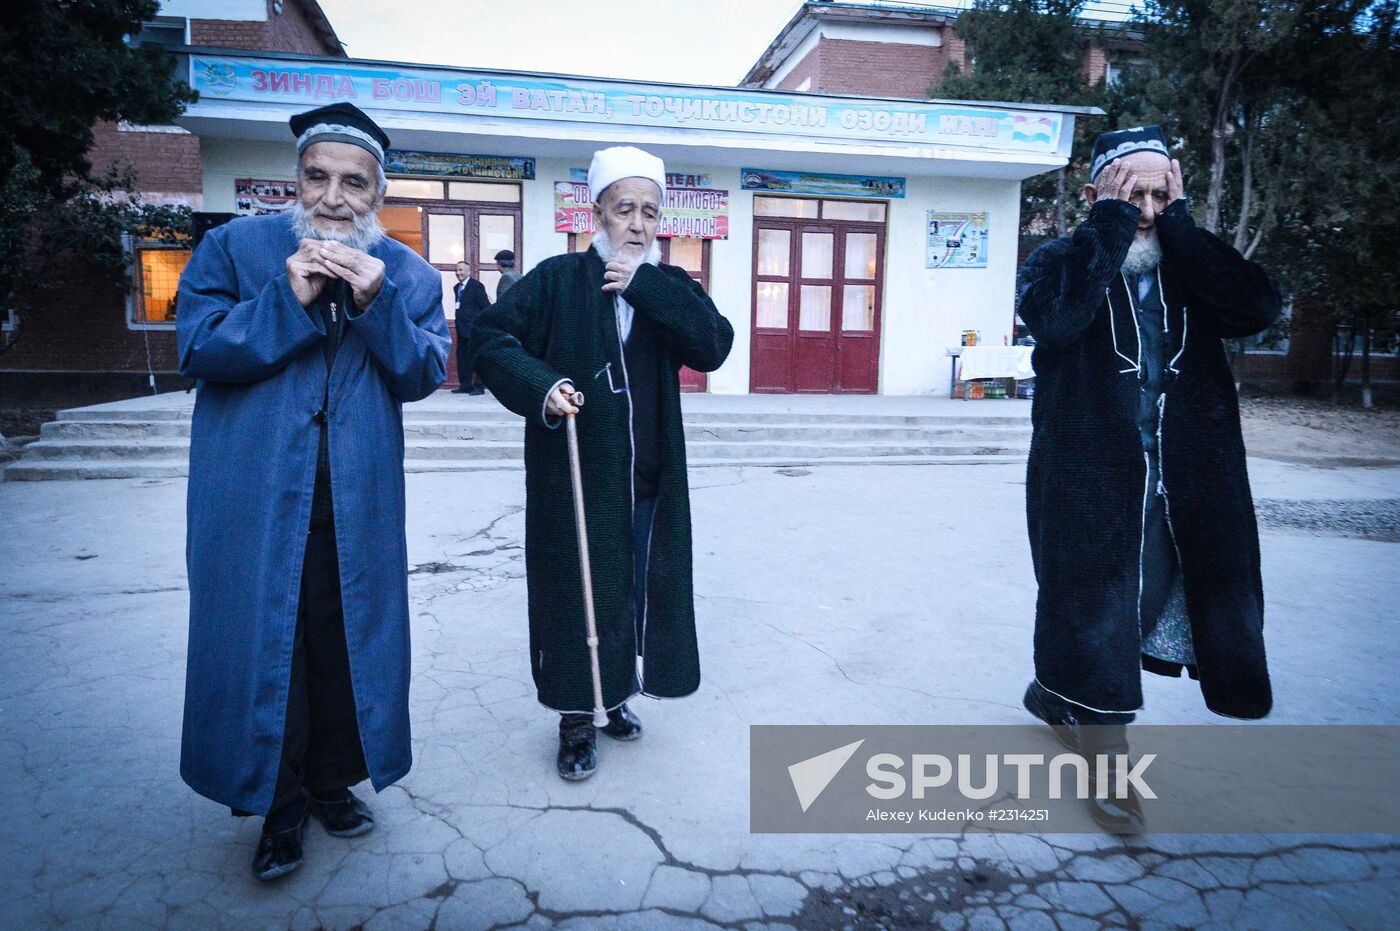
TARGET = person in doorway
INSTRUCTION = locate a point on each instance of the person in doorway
(505, 261)
(307, 332)
(616, 324)
(1142, 528)
(471, 301)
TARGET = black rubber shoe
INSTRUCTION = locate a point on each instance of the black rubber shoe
(578, 747)
(623, 724)
(343, 817)
(279, 852)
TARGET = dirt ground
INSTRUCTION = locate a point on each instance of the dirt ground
(1319, 433)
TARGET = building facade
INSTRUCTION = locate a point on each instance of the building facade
(850, 228)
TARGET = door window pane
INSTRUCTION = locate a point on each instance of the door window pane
(815, 313)
(447, 243)
(491, 193)
(490, 278)
(686, 253)
(494, 233)
(858, 307)
(449, 301)
(418, 190)
(860, 255)
(816, 254)
(852, 210)
(772, 311)
(774, 247)
(404, 224)
(784, 207)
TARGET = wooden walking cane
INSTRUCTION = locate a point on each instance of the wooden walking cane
(600, 717)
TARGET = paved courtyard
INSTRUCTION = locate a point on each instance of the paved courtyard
(850, 595)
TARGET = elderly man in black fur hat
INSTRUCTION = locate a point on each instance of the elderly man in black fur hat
(1142, 528)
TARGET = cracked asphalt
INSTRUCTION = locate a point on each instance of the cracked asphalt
(838, 595)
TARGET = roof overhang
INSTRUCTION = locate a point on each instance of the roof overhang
(439, 109)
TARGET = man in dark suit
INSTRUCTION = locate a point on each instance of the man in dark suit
(471, 301)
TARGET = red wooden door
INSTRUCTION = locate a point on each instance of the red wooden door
(816, 305)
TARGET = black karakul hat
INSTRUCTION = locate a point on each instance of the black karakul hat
(339, 122)
(1121, 142)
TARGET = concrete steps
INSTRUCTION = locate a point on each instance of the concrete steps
(151, 440)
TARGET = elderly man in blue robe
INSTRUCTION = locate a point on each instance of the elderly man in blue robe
(307, 331)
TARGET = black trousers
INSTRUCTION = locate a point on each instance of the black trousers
(321, 749)
(465, 376)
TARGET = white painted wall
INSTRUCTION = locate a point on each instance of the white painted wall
(926, 309)
(226, 160)
(246, 10)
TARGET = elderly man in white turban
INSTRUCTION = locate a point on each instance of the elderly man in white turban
(617, 325)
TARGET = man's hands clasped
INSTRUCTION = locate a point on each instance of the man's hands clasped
(318, 260)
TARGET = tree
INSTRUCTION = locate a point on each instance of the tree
(65, 65)
(1028, 51)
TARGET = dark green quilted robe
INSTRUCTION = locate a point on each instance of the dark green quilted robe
(557, 324)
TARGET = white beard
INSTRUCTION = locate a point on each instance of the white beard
(1144, 255)
(366, 233)
(607, 251)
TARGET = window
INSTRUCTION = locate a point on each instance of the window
(166, 32)
(804, 208)
(156, 276)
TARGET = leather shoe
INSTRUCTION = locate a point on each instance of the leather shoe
(578, 747)
(1113, 814)
(343, 817)
(461, 391)
(623, 724)
(1054, 711)
(279, 852)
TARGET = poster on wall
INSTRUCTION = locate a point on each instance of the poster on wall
(800, 182)
(689, 213)
(442, 164)
(957, 240)
(256, 196)
(674, 179)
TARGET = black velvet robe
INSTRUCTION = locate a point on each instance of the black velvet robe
(1086, 476)
(557, 324)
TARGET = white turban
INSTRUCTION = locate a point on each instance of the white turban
(624, 161)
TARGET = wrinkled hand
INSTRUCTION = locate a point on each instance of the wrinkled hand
(1116, 182)
(1176, 187)
(305, 272)
(620, 272)
(362, 271)
(560, 401)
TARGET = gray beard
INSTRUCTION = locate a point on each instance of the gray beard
(1144, 255)
(364, 236)
(607, 251)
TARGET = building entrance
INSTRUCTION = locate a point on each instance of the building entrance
(818, 278)
(447, 222)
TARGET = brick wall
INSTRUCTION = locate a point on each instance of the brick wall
(83, 329)
(292, 31)
(228, 33)
(808, 67)
(882, 69)
(1093, 63)
(165, 162)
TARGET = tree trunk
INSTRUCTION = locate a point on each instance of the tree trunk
(1217, 145)
(1246, 186)
(1366, 400)
(1343, 364)
(1061, 211)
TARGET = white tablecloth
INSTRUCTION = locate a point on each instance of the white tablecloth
(996, 362)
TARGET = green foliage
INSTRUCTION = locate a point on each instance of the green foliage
(65, 65)
(1028, 51)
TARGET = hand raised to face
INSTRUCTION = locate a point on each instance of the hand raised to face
(1176, 187)
(306, 273)
(620, 271)
(1117, 181)
(362, 271)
